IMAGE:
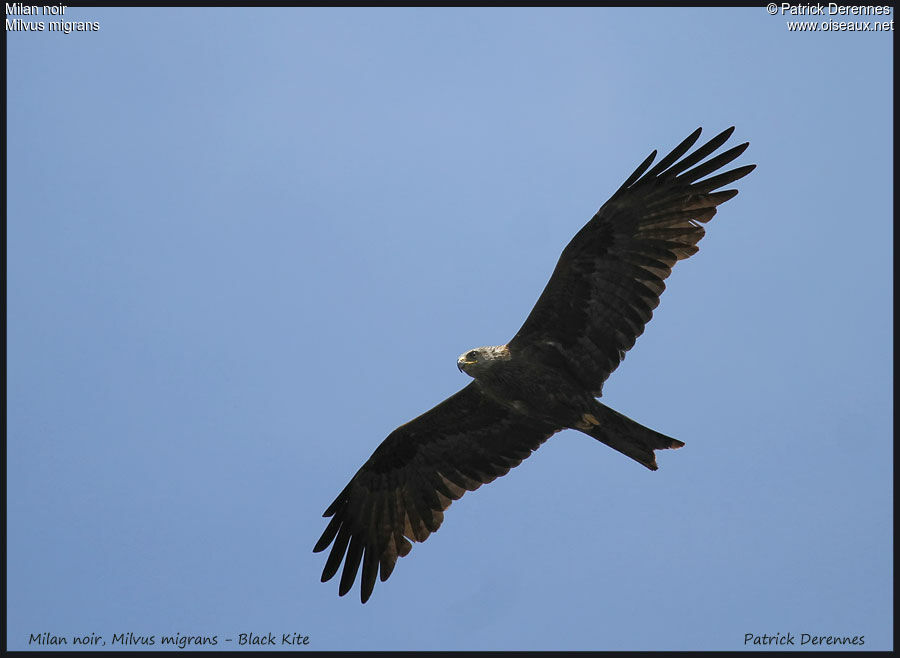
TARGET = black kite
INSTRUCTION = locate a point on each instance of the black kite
(598, 300)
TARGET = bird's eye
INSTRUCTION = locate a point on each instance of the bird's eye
(472, 356)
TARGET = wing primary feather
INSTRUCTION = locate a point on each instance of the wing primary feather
(328, 536)
(676, 153)
(338, 502)
(636, 174)
(337, 554)
(369, 573)
(710, 166)
(718, 198)
(351, 565)
(417, 529)
(714, 199)
(386, 567)
(700, 153)
(728, 177)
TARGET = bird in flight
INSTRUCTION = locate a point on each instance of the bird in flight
(546, 379)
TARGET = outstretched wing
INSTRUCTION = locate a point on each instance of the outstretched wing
(400, 494)
(610, 276)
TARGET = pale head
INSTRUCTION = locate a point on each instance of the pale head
(476, 360)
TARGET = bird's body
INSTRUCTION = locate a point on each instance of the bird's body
(532, 388)
(538, 389)
(546, 378)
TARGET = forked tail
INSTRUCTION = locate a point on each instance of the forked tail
(621, 433)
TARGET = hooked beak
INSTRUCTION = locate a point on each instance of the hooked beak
(461, 363)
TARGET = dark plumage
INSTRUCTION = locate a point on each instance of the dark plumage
(601, 295)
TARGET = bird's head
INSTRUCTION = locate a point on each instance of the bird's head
(475, 361)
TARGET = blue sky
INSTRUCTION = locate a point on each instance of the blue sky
(244, 245)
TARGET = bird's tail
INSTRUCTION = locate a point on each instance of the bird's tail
(621, 433)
